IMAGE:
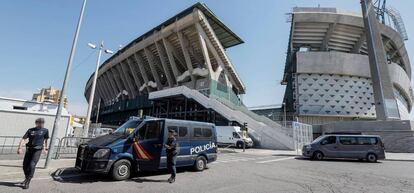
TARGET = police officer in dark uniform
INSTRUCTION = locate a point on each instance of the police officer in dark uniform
(171, 148)
(38, 137)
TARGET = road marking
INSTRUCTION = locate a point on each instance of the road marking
(274, 160)
(229, 159)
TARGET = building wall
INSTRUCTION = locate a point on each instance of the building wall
(339, 84)
(16, 116)
(16, 124)
(327, 70)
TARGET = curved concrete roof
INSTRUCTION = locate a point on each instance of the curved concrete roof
(324, 29)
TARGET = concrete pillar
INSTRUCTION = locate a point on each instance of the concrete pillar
(168, 50)
(141, 69)
(162, 56)
(126, 80)
(184, 47)
(385, 103)
(152, 64)
(132, 67)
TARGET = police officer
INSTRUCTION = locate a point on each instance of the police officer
(38, 137)
(171, 148)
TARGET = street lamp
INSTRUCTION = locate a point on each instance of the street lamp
(92, 93)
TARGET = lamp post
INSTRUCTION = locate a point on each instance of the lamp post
(62, 93)
(92, 93)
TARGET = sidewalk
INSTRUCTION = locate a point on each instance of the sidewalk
(11, 170)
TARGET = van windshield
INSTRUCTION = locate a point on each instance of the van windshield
(128, 127)
(318, 139)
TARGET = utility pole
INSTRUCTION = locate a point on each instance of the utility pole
(62, 93)
(385, 103)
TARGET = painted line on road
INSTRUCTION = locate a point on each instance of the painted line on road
(240, 159)
(275, 160)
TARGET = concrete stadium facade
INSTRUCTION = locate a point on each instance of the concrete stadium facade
(180, 51)
(180, 70)
(327, 73)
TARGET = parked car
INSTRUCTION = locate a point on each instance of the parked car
(362, 147)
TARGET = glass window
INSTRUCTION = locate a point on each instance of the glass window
(373, 140)
(141, 132)
(128, 127)
(198, 132)
(182, 132)
(329, 140)
(236, 135)
(348, 140)
(175, 128)
(364, 141)
(207, 132)
(153, 129)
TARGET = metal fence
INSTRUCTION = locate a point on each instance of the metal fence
(68, 147)
(65, 147)
(9, 144)
(302, 134)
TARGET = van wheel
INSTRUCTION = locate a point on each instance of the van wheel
(121, 170)
(371, 157)
(200, 163)
(239, 144)
(317, 155)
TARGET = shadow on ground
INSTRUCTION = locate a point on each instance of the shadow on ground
(335, 160)
(18, 166)
(73, 175)
(11, 184)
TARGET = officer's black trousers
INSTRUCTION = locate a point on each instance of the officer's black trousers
(171, 161)
(31, 157)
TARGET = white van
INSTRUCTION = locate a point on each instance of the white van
(232, 135)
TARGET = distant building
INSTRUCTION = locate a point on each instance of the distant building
(50, 95)
(16, 116)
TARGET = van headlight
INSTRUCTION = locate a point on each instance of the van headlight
(101, 153)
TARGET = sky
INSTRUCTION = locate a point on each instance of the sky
(36, 37)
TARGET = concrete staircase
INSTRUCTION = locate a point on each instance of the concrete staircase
(265, 134)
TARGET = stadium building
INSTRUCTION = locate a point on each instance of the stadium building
(327, 72)
(180, 70)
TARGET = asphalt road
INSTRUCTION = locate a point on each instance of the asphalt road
(238, 173)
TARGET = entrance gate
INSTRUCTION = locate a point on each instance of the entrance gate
(302, 134)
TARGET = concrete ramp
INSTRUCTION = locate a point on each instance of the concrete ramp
(266, 133)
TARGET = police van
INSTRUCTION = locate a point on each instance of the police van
(138, 145)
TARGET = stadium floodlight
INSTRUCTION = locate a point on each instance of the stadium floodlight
(93, 46)
(93, 88)
(109, 51)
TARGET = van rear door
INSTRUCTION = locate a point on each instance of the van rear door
(148, 145)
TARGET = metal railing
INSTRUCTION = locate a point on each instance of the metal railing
(9, 144)
(64, 148)
(68, 146)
